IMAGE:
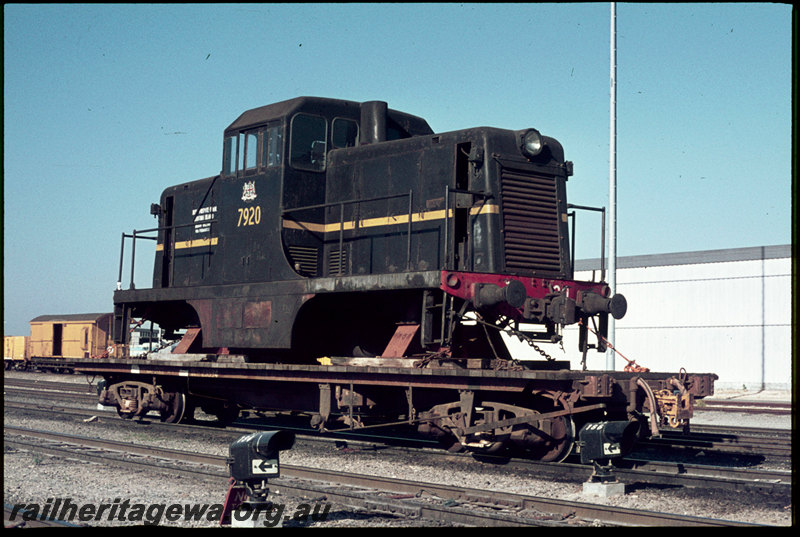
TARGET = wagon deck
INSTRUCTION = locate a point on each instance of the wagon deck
(451, 375)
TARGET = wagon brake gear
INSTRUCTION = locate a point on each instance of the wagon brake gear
(490, 426)
(675, 408)
(668, 407)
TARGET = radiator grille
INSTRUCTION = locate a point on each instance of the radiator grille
(337, 261)
(530, 221)
(304, 260)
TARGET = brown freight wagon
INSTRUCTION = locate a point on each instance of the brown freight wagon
(81, 335)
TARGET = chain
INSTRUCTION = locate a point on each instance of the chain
(521, 337)
(529, 341)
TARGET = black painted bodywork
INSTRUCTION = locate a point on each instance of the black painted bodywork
(301, 260)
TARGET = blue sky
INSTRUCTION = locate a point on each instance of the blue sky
(104, 106)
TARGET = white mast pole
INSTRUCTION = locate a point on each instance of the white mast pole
(612, 184)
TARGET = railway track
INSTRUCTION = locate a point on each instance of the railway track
(766, 442)
(748, 407)
(23, 518)
(85, 398)
(428, 501)
(49, 385)
(707, 439)
(632, 470)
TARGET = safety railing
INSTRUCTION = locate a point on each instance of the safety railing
(602, 236)
(449, 253)
(342, 204)
(139, 234)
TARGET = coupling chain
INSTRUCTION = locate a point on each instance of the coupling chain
(529, 341)
(521, 337)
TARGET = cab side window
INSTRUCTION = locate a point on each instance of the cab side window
(273, 146)
(344, 133)
(229, 155)
(248, 145)
(249, 151)
(308, 143)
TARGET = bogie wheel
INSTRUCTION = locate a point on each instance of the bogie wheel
(563, 440)
(557, 444)
(178, 410)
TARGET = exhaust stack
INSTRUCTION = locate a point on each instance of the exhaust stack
(373, 122)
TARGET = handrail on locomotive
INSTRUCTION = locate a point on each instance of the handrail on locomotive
(137, 234)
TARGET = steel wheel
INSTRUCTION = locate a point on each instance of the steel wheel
(562, 443)
(176, 412)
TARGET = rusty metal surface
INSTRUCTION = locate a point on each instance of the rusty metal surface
(187, 340)
(400, 341)
(599, 381)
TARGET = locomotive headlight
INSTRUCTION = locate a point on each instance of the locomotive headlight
(532, 143)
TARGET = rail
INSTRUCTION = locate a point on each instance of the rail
(339, 486)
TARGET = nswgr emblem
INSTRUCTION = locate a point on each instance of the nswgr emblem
(249, 193)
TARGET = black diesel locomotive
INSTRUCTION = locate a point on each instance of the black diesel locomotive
(352, 264)
(346, 229)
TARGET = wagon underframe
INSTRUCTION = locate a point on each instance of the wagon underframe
(458, 402)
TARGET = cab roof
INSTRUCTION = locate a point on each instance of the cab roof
(415, 126)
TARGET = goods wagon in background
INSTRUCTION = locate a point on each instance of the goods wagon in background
(15, 352)
(55, 339)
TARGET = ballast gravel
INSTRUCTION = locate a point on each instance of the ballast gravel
(33, 478)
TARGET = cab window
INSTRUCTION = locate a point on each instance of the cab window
(229, 156)
(273, 146)
(308, 142)
(250, 152)
(344, 133)
(240, 153)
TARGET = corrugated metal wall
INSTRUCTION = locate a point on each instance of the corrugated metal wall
(721, 311)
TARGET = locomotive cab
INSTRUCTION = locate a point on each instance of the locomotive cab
(274, 169)
(273, 165)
